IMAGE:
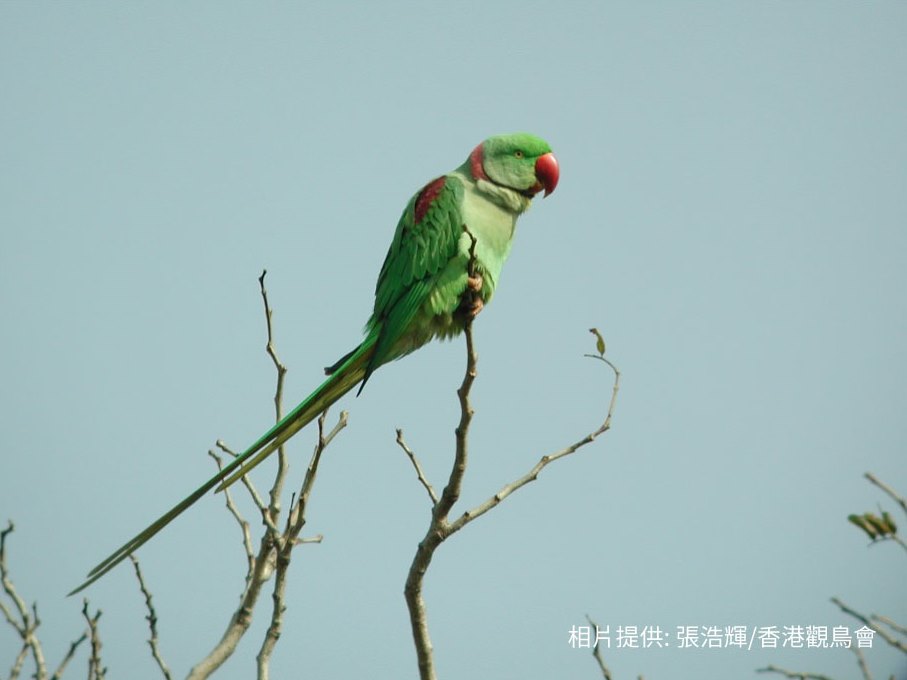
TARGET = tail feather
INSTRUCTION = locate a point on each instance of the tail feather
(339, 383)
(350, 371)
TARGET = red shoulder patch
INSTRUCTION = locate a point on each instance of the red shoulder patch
(427, 196)
(476, 158)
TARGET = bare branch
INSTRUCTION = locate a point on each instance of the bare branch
(274, 549)
(18, 663)
(419, 472)
(242, 618)
(8, 615)
(271, 348)
(896, 497)
(25, 622)
(243, 524)
(295, 522)
(96, 671)
(898, 628)
(792, 674)
(152, 620)
(317, 538)
(282, 463)
(869, 623)
(891, 537)
(439, 528)
(8, 587)
(253, 492)
(28, 621)
(74, 645)
(861, 663)
(596, 652)
(546, 460)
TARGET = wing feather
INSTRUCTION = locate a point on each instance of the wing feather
(425, 241)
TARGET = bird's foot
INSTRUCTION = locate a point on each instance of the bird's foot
(472, 302)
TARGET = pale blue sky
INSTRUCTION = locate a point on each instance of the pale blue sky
(732, 214)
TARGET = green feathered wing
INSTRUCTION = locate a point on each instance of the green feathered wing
(417, 295)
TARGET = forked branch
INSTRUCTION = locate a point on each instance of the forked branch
(440, 526)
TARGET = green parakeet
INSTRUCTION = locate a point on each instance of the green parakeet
(421, 292)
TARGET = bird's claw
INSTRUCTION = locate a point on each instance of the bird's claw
(472, 303)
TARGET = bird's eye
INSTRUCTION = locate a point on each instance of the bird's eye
(518, 153)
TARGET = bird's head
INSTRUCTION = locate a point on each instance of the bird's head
(521, 162)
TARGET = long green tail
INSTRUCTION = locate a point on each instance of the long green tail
(341, 381)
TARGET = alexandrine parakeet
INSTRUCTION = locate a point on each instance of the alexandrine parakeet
(421, 290)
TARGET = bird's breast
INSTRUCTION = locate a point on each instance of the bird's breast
(492, 226)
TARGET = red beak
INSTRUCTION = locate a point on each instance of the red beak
(547, 172)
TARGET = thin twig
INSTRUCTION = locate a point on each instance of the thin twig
(70, 653)
(419, 472)
(891, 624)
(28, 622)
(261, 565)
(242, 617)
(282, 462)
(96, 671)
(881, 632)
(895, 496)
(792, 674)
(8, 615)
(9, 588)
(438, 528)
(891, 537)
(480, 509)
(243, 524)
(274, 543)
(263, 509)
(152, 620)
(861, 662)
(596, 652)
(295, 522)
(253, 492)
